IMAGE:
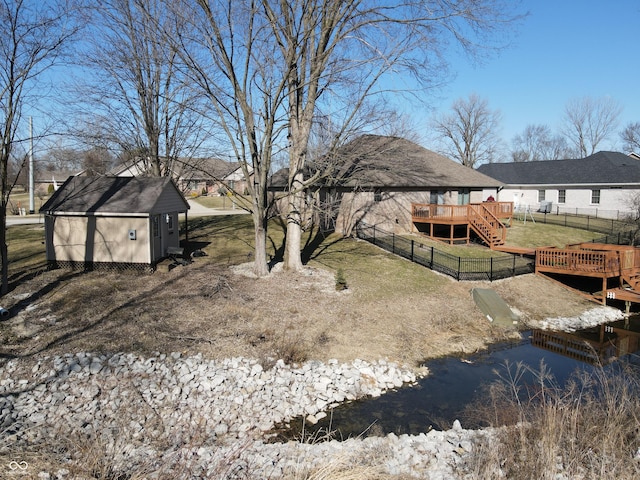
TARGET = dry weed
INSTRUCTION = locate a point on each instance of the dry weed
(586, 429)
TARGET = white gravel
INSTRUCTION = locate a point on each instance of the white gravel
(210, 418)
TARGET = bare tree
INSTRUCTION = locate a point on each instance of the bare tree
(631, 137)
(272, 66)
(588, 122)
(33, 37)
(537, 142)
(133, 97)
(469, 132)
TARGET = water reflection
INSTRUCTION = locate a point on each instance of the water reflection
(455, 383)
(599, 345)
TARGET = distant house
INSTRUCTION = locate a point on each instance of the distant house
(194, 176)
(376, 180)
(112, 221)
(50, 180)
(601, 184)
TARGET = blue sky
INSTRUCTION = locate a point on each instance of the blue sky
(564, 49)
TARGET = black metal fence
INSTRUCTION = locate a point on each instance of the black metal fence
(617, 232)
(493, 268)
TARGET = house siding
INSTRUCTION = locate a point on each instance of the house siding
(614, 202)
(98, 239)
(392, 213)
(170, 200)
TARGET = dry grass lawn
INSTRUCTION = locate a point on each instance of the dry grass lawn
(391, 309)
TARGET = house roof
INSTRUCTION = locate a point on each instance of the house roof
(599, 168)
(116, 195)
(57, 176)
(189, 169)
(373, 161)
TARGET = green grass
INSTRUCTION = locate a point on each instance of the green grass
(546, 235)
(229, 239)
(223, 202)
(520, 234)
(20, 199)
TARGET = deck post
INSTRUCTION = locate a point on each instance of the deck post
(412, 243)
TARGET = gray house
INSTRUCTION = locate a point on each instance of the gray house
(112, 221)
(602, 184)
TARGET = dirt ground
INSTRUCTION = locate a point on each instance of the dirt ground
(220, 312)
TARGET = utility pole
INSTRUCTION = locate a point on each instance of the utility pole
(32, 207)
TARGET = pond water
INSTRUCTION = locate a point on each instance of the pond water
(455, 383)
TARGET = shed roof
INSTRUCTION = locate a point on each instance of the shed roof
(599, 168)
(116, 195)
(374, 161)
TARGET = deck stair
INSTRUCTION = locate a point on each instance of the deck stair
(485, 219)
(487, 225)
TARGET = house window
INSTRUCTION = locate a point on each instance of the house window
(377, 196)
(562, 196)
(541, 195)
(595, 196)
(464, 195)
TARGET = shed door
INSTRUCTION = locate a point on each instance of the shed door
(156, 253)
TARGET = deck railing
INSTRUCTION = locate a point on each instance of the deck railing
(454, 213)
(578, 261)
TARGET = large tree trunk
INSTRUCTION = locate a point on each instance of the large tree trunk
(292, 253)
(4, 252)
(260, 263)
(297, 191)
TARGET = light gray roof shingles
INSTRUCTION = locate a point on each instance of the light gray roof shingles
(599, 168)
(115, 195)
(374, 161)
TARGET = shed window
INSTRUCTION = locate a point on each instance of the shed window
(377, 196)
(562, 196)
(541, 195)
(156, 225)
(170, 222)
(595, 196)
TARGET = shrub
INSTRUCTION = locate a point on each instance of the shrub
(341, 281)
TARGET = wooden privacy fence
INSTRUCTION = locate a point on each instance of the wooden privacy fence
(460, 268)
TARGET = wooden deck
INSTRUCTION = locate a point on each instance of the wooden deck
(454, 223)
(617, 267)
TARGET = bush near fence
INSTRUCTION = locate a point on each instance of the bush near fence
(493, 268)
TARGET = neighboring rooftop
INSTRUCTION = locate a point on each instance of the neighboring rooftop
(599, 168)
